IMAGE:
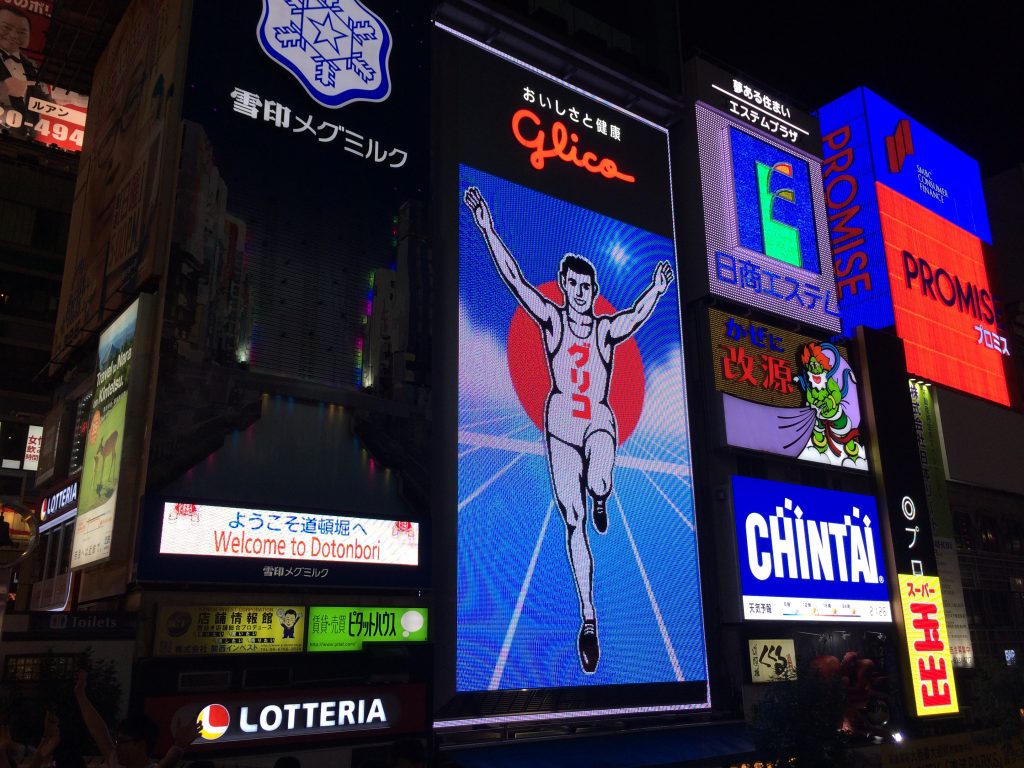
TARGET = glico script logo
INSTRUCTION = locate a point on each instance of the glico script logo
(773, 202)
(899, 146)
(337, 51)
(561, 143)
(790, 544)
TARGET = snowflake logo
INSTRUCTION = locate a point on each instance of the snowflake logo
(337, 49)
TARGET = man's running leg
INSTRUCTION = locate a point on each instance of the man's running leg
(566, 464)
(600, 454)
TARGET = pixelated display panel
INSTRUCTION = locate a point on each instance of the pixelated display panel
(574, 474)
(944, 308)
(745, 186)
(786, 393)
(808, 554)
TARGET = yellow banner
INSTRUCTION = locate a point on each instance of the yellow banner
(219, 629)
(931, 663)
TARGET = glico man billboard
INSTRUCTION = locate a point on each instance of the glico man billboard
(764, 222)
(808, 554)
(577, 547)
(908, 223)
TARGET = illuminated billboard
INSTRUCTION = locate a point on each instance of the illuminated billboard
(337, 628)
(765, 222)
(921, 617)
(577, 547)
(786, 393)
(218, 543)
(944, 308)
(105, 440)
(202, 630)
(31, 110)
(866, 139)
(808, 554)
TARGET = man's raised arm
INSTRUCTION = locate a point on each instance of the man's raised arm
(625, 324)
(531, 299)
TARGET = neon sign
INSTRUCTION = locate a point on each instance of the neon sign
(563, 146)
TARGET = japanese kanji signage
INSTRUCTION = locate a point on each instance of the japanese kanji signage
(929, 664)
(765, 222)
(201, 630)
(751, 104)
(199, 542)
(213, 531)
(772, 661)
(929, 445)
(29, 109)
(313, 117)
(786, 393)
(32, 448)
(348, 628)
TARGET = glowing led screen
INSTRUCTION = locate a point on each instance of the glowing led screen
(913, 160)
(808, 554)
(577, 558)
(944, 309)
(786, 393)
(765, 222)
(866, 139)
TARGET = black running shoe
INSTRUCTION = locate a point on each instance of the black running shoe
(600, 515)
(590, 649)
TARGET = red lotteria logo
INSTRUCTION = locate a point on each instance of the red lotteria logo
(213, 722)
(563, 146)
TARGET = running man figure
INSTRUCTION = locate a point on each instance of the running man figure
(579, 426)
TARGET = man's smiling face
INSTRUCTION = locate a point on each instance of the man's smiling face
(578, 290)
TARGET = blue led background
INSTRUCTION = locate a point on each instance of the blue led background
(866, 301)
(518, 611)
(950, 168)
(818, 504)
(747, 153)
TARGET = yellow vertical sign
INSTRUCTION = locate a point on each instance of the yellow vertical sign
(931, 663)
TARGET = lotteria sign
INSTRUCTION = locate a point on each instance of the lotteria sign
(808, 554)
(335, 713)
(281, 719)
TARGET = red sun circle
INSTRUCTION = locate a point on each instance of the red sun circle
(528, 367)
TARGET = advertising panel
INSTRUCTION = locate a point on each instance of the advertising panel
(765, 222)
(33, 446)
(201, 630)
(772, 661)
(59, 502)
(944, 308)
(929, 445)
(104, 455)
(338, 628)
(124, 187)
(921, 620)
(865, 140)
(217, 543)
(205, 530)
(745, 101)
(30, 109)
(379, 711)
(83, 412)
(577, 547)
(808, 554)
(786, 393)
